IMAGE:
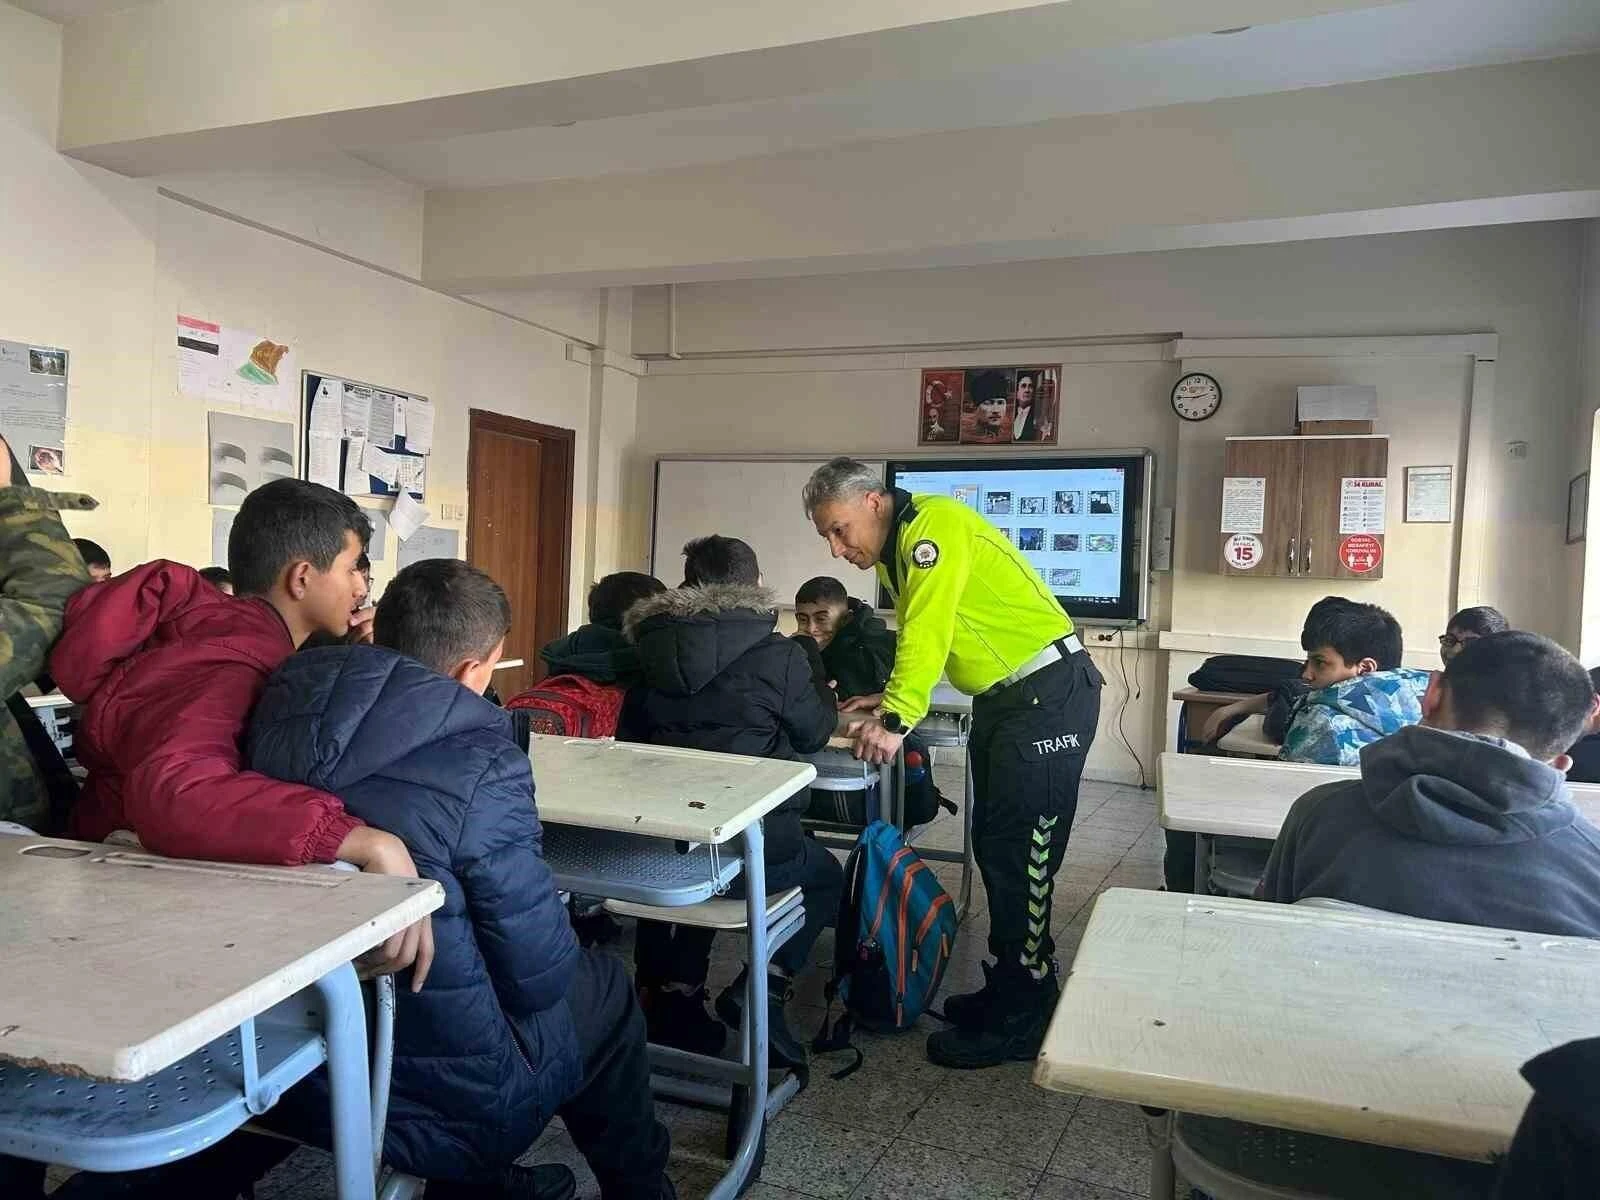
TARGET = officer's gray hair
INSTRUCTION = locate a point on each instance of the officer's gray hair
(841, 479)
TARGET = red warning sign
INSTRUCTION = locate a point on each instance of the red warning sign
(1361, 553)
(1242, 551)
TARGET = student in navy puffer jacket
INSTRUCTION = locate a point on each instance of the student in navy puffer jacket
(516, 1023)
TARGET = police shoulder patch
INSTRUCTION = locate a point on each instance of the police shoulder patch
(924, 554)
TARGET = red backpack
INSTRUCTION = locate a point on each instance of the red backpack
(572, 706)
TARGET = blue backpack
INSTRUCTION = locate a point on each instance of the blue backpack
(894, 935)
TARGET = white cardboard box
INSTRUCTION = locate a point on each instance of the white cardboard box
(1338, 402)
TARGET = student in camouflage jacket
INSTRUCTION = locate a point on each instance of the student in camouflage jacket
(39, 570)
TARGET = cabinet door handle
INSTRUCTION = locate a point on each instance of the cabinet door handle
(1307, 570)
(1294, 544)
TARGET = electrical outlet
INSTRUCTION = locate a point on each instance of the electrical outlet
(1105, 637)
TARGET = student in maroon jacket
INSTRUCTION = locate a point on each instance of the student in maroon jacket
(168, 668)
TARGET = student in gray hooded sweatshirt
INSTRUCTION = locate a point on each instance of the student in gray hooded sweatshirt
(1466, 817)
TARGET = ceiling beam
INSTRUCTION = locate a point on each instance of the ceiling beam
(182, 85)
(1475, 146)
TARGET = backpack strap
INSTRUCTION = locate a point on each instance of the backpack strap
(521, 727)
(61, 788)
(838, 1038)
(847, 925)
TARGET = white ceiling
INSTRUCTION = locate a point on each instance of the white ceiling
(1399, 39)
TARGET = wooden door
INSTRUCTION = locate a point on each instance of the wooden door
(1277, 461)
(519, 530)
(1330, 545)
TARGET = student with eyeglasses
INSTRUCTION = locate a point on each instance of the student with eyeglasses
(1468, 625)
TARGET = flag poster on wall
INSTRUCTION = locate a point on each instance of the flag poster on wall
(989, 406)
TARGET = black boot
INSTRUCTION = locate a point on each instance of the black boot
(21, 1178)
(1012, 1027)
(966, 1011)
(225, 1171)
(679, 1019)
(546, 1181)
(785, 1050)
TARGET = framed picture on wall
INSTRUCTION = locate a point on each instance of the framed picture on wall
(989, 406)
(939, 419)
(1578, 508)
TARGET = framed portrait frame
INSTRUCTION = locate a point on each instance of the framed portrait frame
(990, 406)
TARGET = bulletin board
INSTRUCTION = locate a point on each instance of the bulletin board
(363, 439)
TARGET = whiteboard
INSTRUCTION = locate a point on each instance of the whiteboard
(757, 501)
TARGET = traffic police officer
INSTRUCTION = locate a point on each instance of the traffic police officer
(970, 606)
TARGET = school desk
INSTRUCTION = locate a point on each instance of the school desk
(119, 964)
(600, 799)
(1212, 796)
(1196, 709)
(1241, 797)
(1364, 1026)
(1249, 739)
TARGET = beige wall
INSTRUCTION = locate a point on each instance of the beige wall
(107, 263)
(1424, 406)
(336, 202)
(1583, 562)
(1520, 282)
(779, 376)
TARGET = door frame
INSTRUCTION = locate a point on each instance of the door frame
(562, 441)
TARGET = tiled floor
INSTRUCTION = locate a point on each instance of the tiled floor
(901, 1127)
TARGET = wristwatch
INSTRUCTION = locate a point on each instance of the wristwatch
(892, 722)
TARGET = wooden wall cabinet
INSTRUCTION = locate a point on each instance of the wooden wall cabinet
(1301, 534)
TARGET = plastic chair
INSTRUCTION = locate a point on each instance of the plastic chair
(843, 776)
(1234, 1160)
(1237, 865)
(100, 1126)
(785, 916)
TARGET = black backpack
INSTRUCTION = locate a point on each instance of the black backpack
(1243, 674)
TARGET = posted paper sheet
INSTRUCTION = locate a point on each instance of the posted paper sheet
(419, 425)
(221, 527)
(413, 473)
(33, 405)
(1244, 504)
(429, 542)
(381, 423)
(244, 453)
(380, 464)
(322, 460)
(356, 482)
(1429, 493)
(232, 366)
(407, 517)
(380, 533)
(357, 410)
(1362, 505)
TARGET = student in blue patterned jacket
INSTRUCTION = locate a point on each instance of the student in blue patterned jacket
(1357, 691)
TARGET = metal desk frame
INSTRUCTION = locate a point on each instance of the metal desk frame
(750, 1096)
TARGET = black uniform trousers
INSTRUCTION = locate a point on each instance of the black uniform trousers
(1028, 745)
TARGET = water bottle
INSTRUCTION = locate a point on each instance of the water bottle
(916, 768)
